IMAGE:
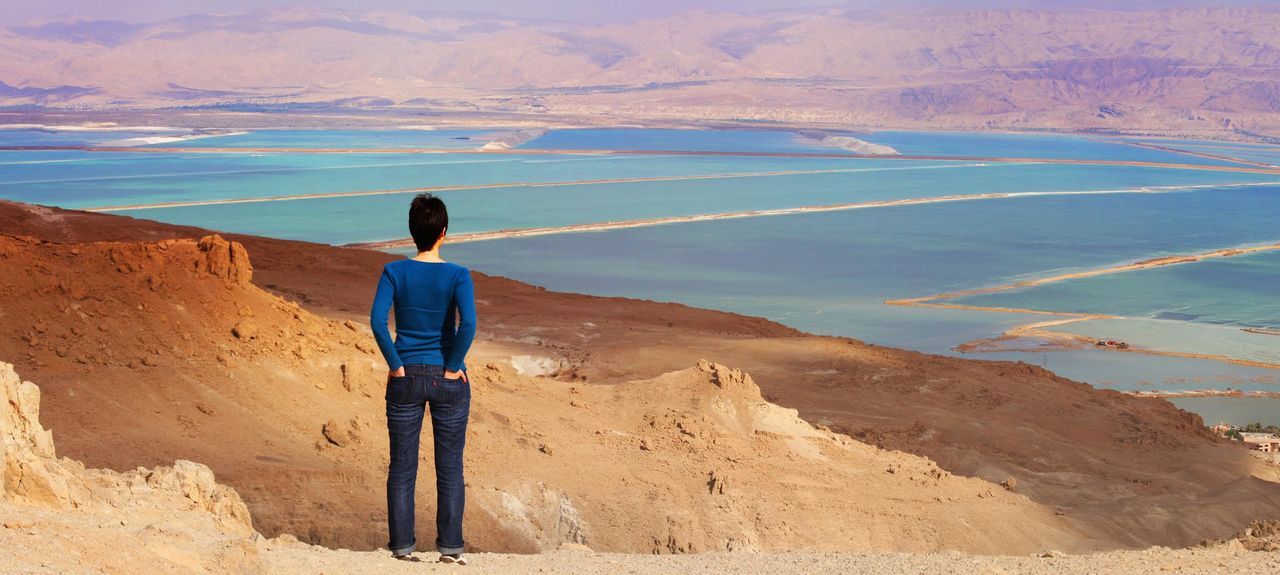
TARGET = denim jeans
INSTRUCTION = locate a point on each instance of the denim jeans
(450, 404)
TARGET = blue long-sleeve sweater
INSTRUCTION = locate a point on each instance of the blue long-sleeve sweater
(430, 298)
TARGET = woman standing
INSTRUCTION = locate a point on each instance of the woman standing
(435, 311)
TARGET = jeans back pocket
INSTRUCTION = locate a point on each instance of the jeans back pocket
(400, 389)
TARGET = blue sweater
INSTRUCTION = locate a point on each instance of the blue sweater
(426, 296)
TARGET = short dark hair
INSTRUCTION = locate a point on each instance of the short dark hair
(427, 219)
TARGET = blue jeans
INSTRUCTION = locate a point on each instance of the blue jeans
(450, 403)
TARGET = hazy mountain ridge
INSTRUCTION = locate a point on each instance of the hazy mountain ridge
(1184, 68)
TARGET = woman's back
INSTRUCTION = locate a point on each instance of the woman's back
(429, 298)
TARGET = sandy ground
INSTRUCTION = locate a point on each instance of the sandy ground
(288, 559)
(56, 516)
(287, 410)
(48, 542)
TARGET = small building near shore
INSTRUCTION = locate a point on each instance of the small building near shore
(1264, 442)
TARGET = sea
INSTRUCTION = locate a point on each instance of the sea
(805, 233)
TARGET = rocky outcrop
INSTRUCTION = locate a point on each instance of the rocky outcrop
(34, 475)
(1258, 536)
(729, 379)
(697, 460)
(226, 259)
(194, 487)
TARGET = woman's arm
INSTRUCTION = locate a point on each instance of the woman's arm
(378, 320)
(464, 297)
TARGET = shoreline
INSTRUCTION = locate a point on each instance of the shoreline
(731, 175)
(650, 222)
(1234, 393)
(378, 119)
(608, 152)
(1161, 261)
(156, 140)
(1061, 341)
(1199, 154)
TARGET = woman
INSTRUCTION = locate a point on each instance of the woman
(435, 323)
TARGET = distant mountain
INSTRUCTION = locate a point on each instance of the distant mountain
(44, 95)
(1183, 68)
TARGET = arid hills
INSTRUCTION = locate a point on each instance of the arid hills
(684, 430)
(56, 516)
(1214, 70)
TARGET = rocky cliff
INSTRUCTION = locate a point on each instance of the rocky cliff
(164, 519)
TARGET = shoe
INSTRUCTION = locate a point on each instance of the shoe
(454, 558)
(409, 558)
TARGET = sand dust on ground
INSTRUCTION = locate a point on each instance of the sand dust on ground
(58, 517)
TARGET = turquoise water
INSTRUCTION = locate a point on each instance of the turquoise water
(830, 272)
(96, 179)
(1237, 292)
(1139, 372)
(1265, 155)
(359, 219)
(1232, 410)
(1183, 337)
(1199, 307)
(1001, 145)
(906, 142)
(489, 209)
(1255, 152)
(11, 160)
(773, 141)
(1206, 144)
(1176, 143)
(81, 179)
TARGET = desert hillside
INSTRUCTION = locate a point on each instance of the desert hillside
(1133, 471)
(287, 406)
(58, 517)
(1191, 70)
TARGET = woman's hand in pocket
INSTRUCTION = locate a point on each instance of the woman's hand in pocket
(398, 372)
(455, 375)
